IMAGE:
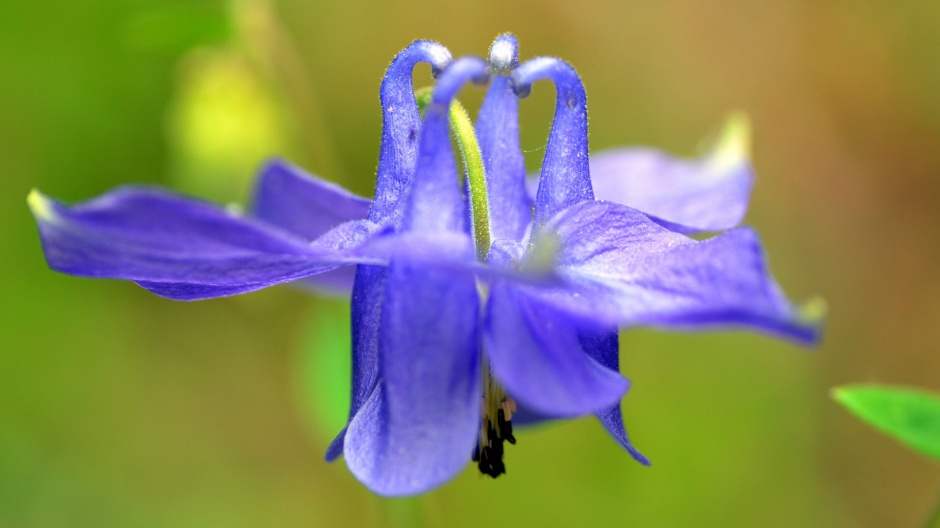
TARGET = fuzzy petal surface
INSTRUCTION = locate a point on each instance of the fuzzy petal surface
(178, 247)
(427, 200)
(498, 133)
(401, 128)
(603, 346)
(688, 196)
(565, 178)
(288, 197)
(302, 204)
(535, 353)
(622, 268)
(419, 426)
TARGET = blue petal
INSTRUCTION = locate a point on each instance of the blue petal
(612, 420)
(343, 241)
(565, 177)
(401, 128)
(603, 346)
(289, 198)
(536, 354)
(177, 247)
(622, 268)
(419, 426)
(497, 130)
(706, 194)
(335, 283)
(436, 202)
(447, 249)
(366, 313)
(398, 155)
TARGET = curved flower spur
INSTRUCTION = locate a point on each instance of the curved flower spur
(437, 379)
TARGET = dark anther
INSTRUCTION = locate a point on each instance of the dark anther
(489, 456)
(491, 468)
(491, 459)
(505, 428)
(496, 444)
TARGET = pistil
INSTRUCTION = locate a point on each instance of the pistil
(462, 128)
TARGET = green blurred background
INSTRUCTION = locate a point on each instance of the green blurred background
(118, 408)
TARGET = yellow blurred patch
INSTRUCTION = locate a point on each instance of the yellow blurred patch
(224, 122)
(40, 206)
(814, 310)
(733, 146)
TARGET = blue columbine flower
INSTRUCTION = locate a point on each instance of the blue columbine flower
(449, 347)
(549, 347)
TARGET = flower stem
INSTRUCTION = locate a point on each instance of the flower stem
(462, 128)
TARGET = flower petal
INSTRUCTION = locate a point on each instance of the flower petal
(436, 202)
(706, 194)
(289, 198)
(440, 248)
(565, 177)
(603, 347)
(497, 130)
(431, 183)
(612, 420)
(177, 247)
(339, 245)
(536, 354)
(366, 312)
(624, 269)
(418, 428)
(401, 126)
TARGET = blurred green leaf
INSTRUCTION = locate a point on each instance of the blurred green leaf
(179, 27)
(912, 416)
(325, 364)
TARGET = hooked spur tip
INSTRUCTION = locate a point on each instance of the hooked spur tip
(431, 52)
(481, 79)
(504, 54)
(438, 57)
(522, 90)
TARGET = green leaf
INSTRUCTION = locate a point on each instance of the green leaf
(911, 416)
(325, 361)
